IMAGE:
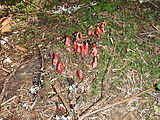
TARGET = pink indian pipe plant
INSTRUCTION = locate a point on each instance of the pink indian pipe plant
(95, 62)
(79, 36)
(78, 48)
(68, 44)
(80, 74)
(55, 59)
(60, 67)
(98, 31)
(91, 32)
(102, 26)
(84, 49)
(94, 49)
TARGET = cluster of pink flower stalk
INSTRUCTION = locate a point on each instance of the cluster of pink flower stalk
(97, 30)
(58, 64)
(81, 47)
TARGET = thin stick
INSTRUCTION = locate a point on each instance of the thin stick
(57, 89)
(9, 100)
(117, 103)
(142, 39)
(145, 33)
(106, 71)
(94, 105)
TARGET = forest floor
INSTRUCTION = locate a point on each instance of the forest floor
(114, 79)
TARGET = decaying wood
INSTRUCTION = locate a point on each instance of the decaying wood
(56, 86)
(114, 104)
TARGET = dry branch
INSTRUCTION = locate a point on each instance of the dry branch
(114, 104)
(56, 86)
(9, 100)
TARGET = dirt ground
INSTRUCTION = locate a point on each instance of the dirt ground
(57, 99)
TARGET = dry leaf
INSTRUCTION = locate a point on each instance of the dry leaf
(20, 48)
(5, 25)
(129, 116)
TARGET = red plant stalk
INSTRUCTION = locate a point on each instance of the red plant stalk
(75, 42)
(86, 47)
(94, 49)
(78, 48)
(75, 45)
(60, 67)
(102, 27)
(98, 31)
(78, 36)
(68, 43)
(95, 62)
(103, 24)
(82, 50)
(90, 32)
(55, 59)
(80, 74)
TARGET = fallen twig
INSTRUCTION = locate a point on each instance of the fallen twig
(16, 47)
(94, 105)
(9, 100)
(116, 103)
(106, 71)
(152, 32)
(57, 89)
